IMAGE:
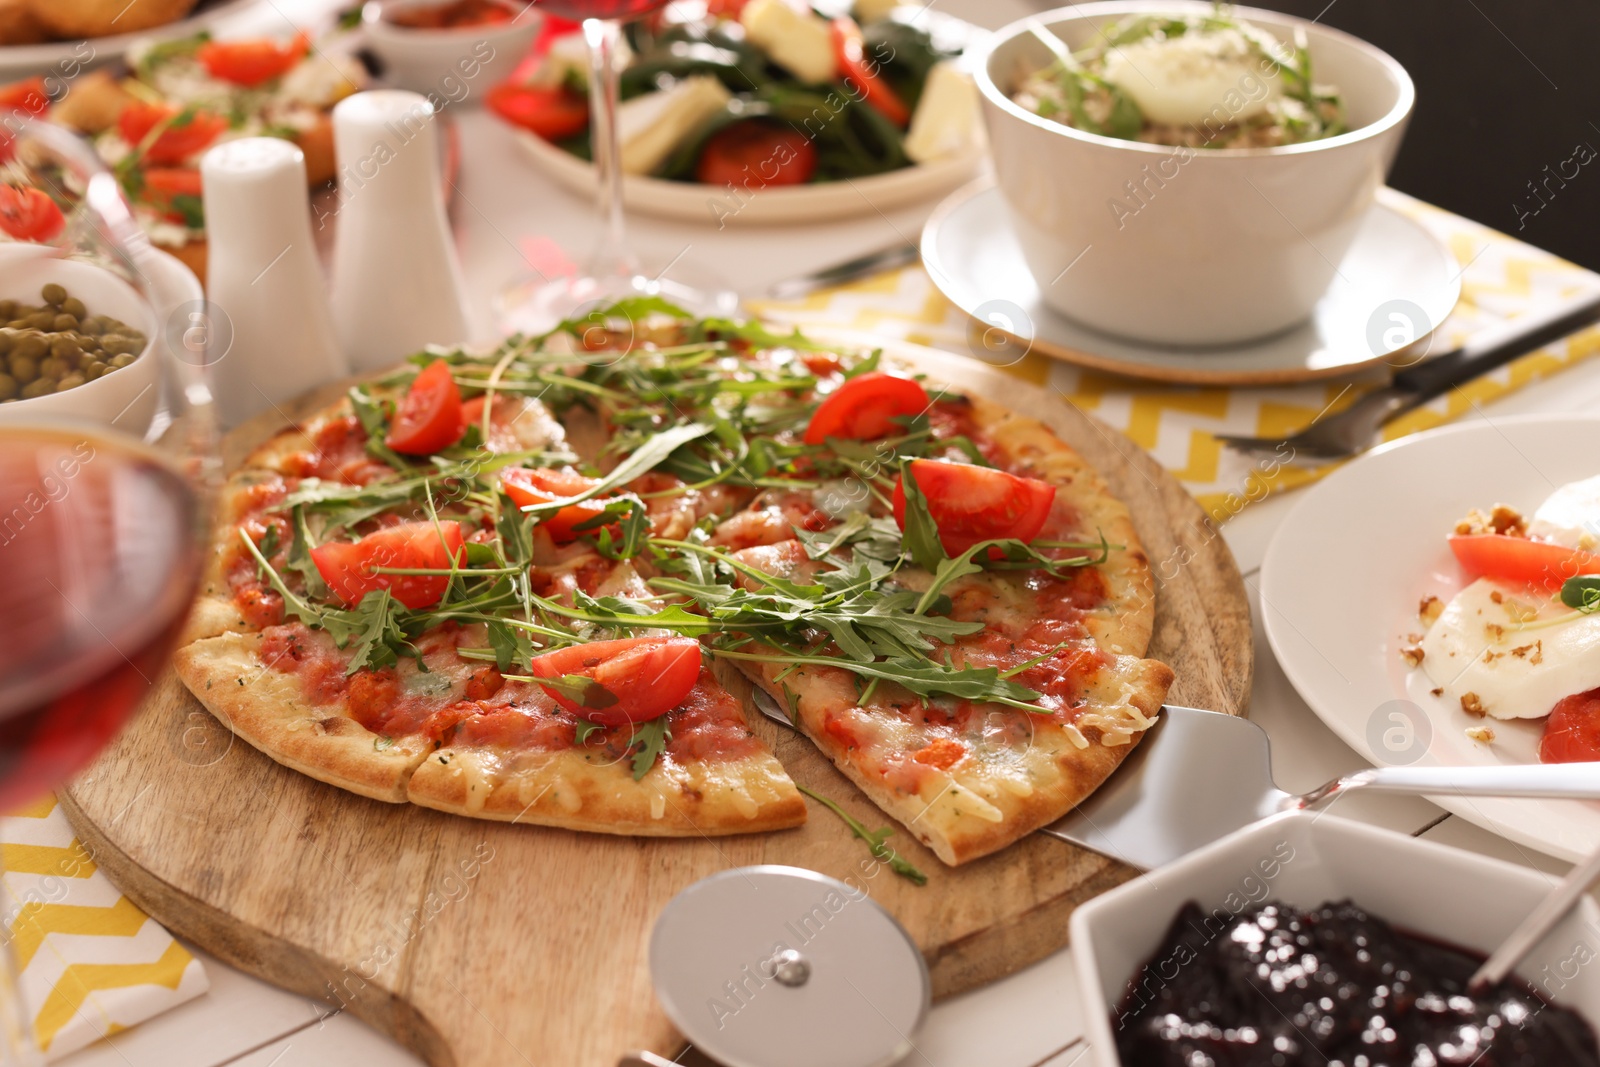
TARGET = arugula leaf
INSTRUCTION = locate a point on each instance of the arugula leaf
(378, 638)
(643, 459)
(651, 738)
(877, 840)
(583, 729)
(921, 532)
(632, 521)
(269, 541)
(1582, 593)
(630, 308)
(581, 690)
(511, 645)
(374, 418)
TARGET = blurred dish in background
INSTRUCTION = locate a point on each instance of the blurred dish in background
(454, 49)
(28, 45)
(766, 114)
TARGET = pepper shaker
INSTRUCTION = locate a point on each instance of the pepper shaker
(262, 274)
(397, 281)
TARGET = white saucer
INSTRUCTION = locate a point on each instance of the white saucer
(1337, 633)
(973, 257)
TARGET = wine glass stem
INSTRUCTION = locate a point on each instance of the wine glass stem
(604, 37)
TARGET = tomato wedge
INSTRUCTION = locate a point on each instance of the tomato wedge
(528, 486)
(971, 504)
(643, 677)
(163, 185)
(28, 214)
(1572, 733)
(429, 418)
(1517, 559)
(754, 154)
(865, 407)
(861, 72)
(187, 132)
(347, 565)
(554, 114)
(28, 96)
(250, 63)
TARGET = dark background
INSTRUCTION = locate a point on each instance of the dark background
(1504, 89)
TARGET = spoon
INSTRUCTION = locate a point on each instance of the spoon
(1551, 910)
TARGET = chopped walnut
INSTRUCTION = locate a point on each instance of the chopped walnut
(1495, 631)
(1498, 597)
(1439, 692)
(1428, 610)
(1481, 734)
(1412, 654)
(1502, 519)
(1472, 705)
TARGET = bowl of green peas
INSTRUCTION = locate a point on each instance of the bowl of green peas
(75, 342)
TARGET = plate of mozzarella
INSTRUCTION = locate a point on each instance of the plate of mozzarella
(1437, 601)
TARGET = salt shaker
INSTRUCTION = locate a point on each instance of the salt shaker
(397, 283)
(262, 275)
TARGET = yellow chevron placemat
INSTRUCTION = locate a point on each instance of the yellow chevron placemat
(91, 963)
(1501, 278)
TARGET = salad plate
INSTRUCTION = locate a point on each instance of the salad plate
(65, 58)
(971, 250)
(1340, 637)
(812, 202)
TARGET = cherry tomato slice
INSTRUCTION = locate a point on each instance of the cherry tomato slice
(1572, 733)
(540, 485)
(28, 214)
(860, 72)
(865, 407)
(429, 418)
(754, 154)
(554, 114)
(971, 504)
(185, 136)
(250, 63)
(646, 676)
(1517, 559)
(28, 96)
(163, 185)
(347, 565)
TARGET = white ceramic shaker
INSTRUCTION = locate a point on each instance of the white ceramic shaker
(397, 283)
(263, 280)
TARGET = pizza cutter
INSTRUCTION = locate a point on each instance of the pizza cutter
(774, 966)
(1167, 799)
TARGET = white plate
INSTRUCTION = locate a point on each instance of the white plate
(694, 202)
(974, 259)
(1342, 579)
(65, 58)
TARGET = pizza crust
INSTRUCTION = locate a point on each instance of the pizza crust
(266, 708)
(570, 791)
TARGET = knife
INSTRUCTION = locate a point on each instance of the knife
(851, 269)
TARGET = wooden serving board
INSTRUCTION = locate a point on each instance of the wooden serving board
(482, 944)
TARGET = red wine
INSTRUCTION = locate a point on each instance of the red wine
(99, 556)
(578, 10)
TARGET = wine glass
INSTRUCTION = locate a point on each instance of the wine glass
(614, 271)
(104, 475)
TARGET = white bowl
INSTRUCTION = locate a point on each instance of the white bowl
(447, 66)
(1222, 245)
(1306, 859)
(125, 398)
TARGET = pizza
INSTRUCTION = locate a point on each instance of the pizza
(187, 94)
(523, 584)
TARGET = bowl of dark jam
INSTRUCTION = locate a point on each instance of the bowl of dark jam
(1309, 939)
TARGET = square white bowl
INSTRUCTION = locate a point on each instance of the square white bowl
(1305, 859)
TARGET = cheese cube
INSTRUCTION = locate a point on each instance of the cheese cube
(652, 126)
(946, 122)
(798, 41)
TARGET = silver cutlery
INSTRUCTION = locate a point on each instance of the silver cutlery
(1354, 429)
(1551, 910)
(883, 259)
(1199, 775)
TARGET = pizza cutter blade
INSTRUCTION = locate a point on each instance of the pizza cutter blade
(775, 966)
(1197, 776)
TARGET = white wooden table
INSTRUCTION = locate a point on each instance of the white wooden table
(506, 210)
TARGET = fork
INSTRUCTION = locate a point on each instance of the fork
(1352, 430)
